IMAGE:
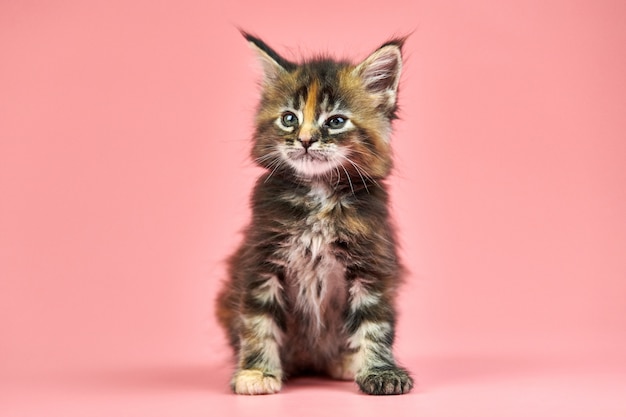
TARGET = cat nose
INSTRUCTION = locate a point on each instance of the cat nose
(307, 142)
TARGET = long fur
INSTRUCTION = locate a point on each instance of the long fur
(312, 286)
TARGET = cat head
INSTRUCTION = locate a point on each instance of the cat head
(324, 118)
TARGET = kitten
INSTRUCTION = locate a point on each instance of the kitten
(312, 287)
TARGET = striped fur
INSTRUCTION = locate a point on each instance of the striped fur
(312, 287)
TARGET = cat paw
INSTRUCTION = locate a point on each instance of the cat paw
(255, 382)
(385, 381)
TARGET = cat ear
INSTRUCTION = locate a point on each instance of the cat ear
(274, 66)
(380, 72)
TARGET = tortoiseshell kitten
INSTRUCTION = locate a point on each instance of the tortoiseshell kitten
(312, 287)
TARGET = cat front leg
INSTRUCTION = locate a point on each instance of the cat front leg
(259, 369)
(370, 320)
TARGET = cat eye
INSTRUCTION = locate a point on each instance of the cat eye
(336, 122)
(288, 119)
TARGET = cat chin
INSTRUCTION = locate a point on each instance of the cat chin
(311, 167)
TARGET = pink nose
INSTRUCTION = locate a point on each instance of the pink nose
(307, 141)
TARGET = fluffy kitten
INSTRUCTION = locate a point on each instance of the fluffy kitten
(312, 287)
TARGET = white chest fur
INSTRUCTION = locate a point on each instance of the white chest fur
(315, 276)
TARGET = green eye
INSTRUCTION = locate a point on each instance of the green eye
(336, 122)
(288, 119)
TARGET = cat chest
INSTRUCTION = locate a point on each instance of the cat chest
(315, 277)
(312, 236)
(310, 253)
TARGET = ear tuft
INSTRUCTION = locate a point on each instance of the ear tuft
(274, 66)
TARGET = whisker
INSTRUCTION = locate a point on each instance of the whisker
(265, 158)
(353, 151)
(269, 150)
(349, 180)
(362, 170)
(273, 164)
(274, 170)
(358, 171)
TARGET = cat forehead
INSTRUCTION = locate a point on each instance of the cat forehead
(324, 82)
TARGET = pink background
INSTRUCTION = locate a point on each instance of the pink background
(124, 179)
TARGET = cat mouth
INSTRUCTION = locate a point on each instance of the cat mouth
(308, 155)
(310, 162)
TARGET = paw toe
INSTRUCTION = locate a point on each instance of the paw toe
(255, 382)
(385, 382)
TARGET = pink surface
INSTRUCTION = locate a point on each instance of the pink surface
(124, 179)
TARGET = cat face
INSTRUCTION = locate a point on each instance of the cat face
(326, 118)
